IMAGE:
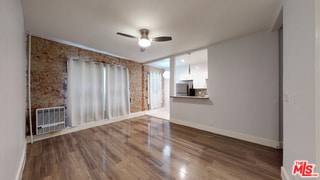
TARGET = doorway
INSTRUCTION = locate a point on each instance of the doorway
(158, 88)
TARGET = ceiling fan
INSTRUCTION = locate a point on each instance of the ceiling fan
(144, 41)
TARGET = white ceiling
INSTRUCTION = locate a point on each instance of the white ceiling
(196, 57)
(162, 64)
(192, 24)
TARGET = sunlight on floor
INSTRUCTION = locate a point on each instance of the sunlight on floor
(163, 113)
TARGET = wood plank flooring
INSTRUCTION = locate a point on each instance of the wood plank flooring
(149, 148)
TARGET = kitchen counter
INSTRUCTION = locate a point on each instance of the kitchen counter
(191, 97)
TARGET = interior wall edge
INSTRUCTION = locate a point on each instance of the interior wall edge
(284, 174)
(22, 161)
(69, 43)
(317, 82)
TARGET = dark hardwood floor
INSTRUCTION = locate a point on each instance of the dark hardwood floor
(149, 148)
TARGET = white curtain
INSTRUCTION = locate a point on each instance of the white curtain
(117, 91)
(96, 92)
(85, 92)
(155, 89)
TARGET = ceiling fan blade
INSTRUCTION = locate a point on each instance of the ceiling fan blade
(126, 35)
(162, 38)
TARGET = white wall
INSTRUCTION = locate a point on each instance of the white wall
(243, 86)
(299, 62)
(13, 89)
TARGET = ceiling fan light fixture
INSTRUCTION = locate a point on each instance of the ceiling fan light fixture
(144, 42)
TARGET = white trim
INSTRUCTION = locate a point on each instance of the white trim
(22, 161)
(245, 137)
(284, 174)
(85, 126)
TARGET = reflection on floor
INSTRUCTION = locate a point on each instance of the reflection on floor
(147, 147)
(163, 113)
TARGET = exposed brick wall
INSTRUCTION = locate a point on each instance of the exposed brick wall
(49, 74)
(136, 92)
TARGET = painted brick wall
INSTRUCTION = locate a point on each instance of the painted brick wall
(49, 74)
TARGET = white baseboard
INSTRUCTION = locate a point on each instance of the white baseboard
(284, 174)
(22, 161)
(85, 126)
(280, 145)
(245, 137)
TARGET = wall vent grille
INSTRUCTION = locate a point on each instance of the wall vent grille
(50, 119)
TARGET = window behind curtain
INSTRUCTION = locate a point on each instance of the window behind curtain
(155, 89)
(96, 91)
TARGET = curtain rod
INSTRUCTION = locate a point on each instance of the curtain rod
(88, 61)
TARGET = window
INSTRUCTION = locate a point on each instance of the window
(96, 91)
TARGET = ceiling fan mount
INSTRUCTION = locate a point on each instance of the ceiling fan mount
(144, 41)
(144, 33)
